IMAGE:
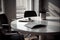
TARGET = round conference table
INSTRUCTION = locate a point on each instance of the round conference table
(52, 27)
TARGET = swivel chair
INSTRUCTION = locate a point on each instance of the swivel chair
(30, 14)
(6, 29)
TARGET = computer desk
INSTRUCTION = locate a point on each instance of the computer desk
(52, 28)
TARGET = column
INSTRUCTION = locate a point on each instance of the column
(43, 7)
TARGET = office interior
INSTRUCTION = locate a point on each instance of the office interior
(14, 9)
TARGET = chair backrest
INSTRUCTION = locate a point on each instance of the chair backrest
(4, 20)
(30, 14)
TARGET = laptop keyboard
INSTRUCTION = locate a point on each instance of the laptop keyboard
(34, 25)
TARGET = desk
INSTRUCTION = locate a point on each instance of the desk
(52, 26)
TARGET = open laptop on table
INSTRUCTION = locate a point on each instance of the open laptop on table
(36, 24)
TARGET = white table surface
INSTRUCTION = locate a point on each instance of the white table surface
(52, 26)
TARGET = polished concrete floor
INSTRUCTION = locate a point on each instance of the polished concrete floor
(31, 38)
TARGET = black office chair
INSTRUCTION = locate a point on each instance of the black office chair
(30, 14)
(4, 22)
(6, 29)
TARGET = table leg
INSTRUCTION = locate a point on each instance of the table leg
(41, 37)
(38, 37)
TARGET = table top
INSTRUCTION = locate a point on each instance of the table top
(51, 26)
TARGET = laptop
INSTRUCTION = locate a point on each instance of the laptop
(35, 24)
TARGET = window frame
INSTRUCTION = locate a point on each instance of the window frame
(2, 7)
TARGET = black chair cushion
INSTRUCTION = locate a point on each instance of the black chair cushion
(17, 37)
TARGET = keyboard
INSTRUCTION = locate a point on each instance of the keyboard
(35, 25)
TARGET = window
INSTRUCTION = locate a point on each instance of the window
(21, 7)
(0, 6)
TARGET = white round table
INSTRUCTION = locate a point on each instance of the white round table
(51, 26)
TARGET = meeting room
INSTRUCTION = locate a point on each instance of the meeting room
(29, 20)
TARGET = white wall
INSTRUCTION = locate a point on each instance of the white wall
(36, 6)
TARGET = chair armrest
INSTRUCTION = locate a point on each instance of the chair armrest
(5, 24)
(6, 27)
(10, 33)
